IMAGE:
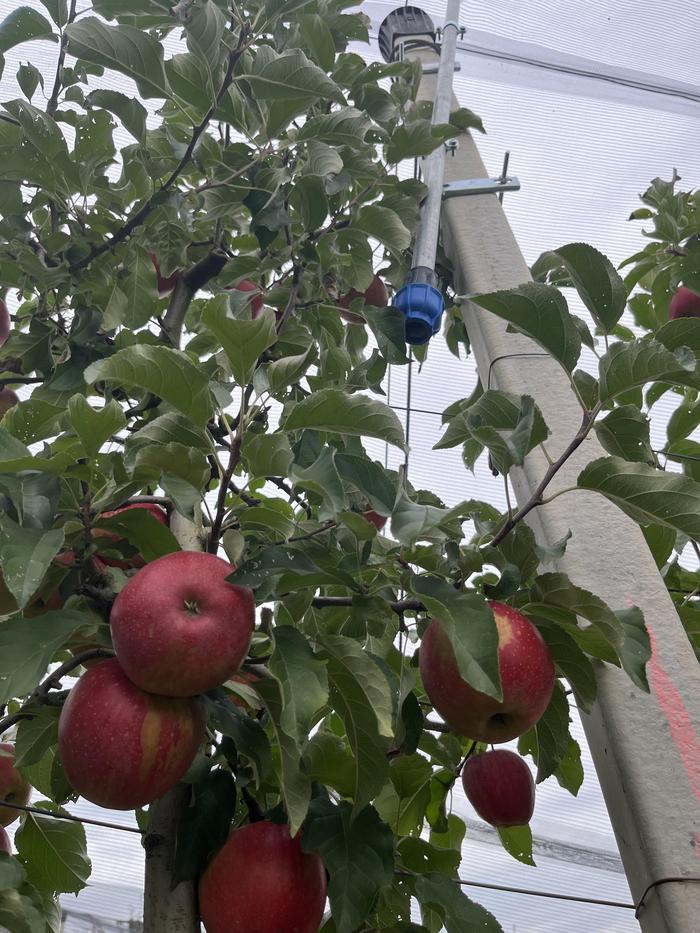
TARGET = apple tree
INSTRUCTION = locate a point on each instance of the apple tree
(185, 261)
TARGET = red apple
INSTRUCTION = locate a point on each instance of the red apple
(14, 788)
(4, 322)
(260, 881)
(499, 786)
(256, 300)
(685, 303)
(375, 295)
(137, 560)
(179, 627)
(8, 399)
(379, 521)
(5, 844)
(165, 285)
(527, 680)
(122, 748)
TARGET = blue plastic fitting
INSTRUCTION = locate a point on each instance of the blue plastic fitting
(422, 304)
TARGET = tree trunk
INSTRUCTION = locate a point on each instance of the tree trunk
(167, 909)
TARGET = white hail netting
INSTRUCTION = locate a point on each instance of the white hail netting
(593, 100)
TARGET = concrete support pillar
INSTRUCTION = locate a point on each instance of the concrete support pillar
(645, 747)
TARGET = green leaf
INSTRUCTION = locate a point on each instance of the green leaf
(25, 556)
(540, 312)
(204, 824)
(468, 622)
(130, 111)
(459, 914)
(571, 662)
(647, 495)
(359, 692)
(291, 76)
(384, 225)
(28, 645)
(22, 25)
(329, 760)
(625, 433)
(369, 478)
(303, 681)
(517, 841)
(294, 782)
(411, 521)
(169, 374)
(548, 740)
(170, 428)
(569, 771)
(29, 78)
(346, 126)
(389, 328)
(150, 537)
(267, 454)
(683, 332)
(247, 733)
(53, 852)
(683, 421)
(410, 777)
(322, 478)
(318, 39)
(94, 427)
(289, 370)
(358, 851)
(36, 736)
(636, 648)
(418, 855)
(337, 412)
(556, 589)
(509, 425)
(21, 909)
(601, 288)
(418, 138)
(636, 362)
(243, 341)
(126, 49)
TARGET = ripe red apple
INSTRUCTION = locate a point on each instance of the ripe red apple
(685, 303)
(260, 881)
(8, 399)
(527, 680)
(375, 295)
(14, 788)
(122, 748)
(5, 844)
(165, 285)
(179, 628)
(379, 521)
(4, 322)
(256, 300)
(499, 786)
(137, 560)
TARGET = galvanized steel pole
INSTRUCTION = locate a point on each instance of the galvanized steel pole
(645, 747)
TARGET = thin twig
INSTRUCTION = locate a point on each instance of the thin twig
(293, 295)
(52, 104)
(536, 498)
(294, 497)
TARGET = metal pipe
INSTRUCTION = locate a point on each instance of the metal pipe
(425, 250)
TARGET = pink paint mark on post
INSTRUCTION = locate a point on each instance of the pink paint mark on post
(682, 731)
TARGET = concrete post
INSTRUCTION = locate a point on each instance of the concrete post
(645, 747)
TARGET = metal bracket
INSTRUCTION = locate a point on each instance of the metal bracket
(432, 68)
(458, 189)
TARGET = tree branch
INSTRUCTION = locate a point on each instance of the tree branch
(42, 696)
(400, 606)
(142, 213)
(185, 289)
(293, 496)
(537, 498)
(233, 460)
(293, 295)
